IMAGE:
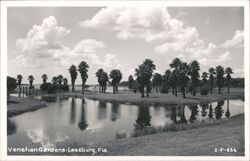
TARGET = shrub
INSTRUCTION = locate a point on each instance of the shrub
(45, 86)
(11, 83)
(52, 89)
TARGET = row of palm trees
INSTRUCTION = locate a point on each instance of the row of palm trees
(181, 75)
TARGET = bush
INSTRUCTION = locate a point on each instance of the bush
(11, 83)
(45, 86)
(52, 89)
(65, 87)
(204, 90)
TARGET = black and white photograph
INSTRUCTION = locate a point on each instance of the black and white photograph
(125, 80)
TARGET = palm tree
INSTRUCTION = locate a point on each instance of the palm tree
(220, 77)
(116, 77)
(204, 77)
(157, 81)
(54, 80)
(19, 80)
(144, 73)
(59, 79)
(211, 78)
(175, 74)
(31, 79)
(183, 78)
(194, 68)
(65, 81)
(130, 82)
(102, 78)
(228, 71)
(44, 77)
(73, 75)
(83, 69)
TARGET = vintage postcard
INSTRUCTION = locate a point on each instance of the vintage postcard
(124, 80)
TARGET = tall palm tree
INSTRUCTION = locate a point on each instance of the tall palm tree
(228, 71)
(204, 77)
(31, 79)
(102, 78)
(194, 68)
(54, 80)
(73, 75)
(184, 69)
(44, 77)
(116, 77)
(65, 81)
(144, 73)
(130, 82)
(157, 81)
(220, 77)
(83, 69)
(60, 79)
(19, 80)
(175, 64)
(211, 78)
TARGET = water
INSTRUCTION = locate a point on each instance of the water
(84, 121)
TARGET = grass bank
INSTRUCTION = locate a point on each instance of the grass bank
(225, 133)
(19, 105)
(157, 98)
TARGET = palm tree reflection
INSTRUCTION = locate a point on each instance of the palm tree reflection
(194, 113)
(73, 111)
(102, 110)
(143, 118)
(182, 115)
(227, 114)
(115, 111)
(210, 114)
(218, 109)
(83, 123)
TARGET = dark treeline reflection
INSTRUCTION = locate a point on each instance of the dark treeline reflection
(83, 122)
(194, 113)
(218, 109)
(11, 127)
(182, 115)
(49, 99)
(102, 110)
(115, 111)
(73, 111)
(143, 118)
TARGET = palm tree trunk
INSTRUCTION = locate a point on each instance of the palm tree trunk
(142, 92)
(83, 85)
(228, 86)
(113, 89)
(73, 87)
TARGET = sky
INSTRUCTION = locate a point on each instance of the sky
(50, 39)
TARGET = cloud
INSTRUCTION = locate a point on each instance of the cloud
(88, 46)
(236, 42)
(43, 47)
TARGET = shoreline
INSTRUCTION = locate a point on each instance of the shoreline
(22, 105)
(155, 99)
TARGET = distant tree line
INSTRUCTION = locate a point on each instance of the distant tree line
(180, 77)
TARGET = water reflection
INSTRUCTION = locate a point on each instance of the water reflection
(83, 123)
(173, 115)
(67, 120)
(73, 111)
(11, 127)
(204, 108)
(102, 110)
(143, 118)
(210, 113)
(115, 111)
(218, 109)
(194, 113)
(227, 114)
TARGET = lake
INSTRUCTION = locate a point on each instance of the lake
(85, 121)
